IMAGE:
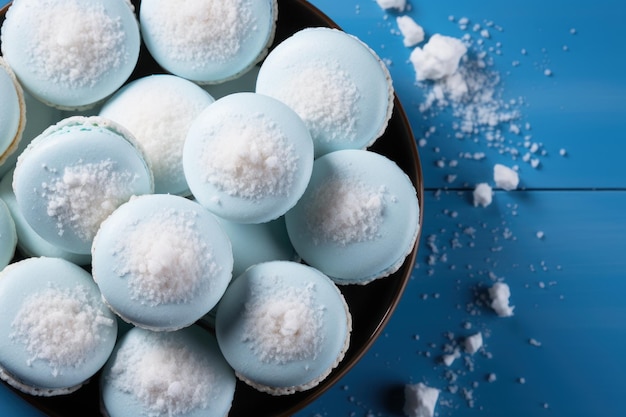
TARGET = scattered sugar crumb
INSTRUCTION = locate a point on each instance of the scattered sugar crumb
(483, 194)
(500, 294)
(505, 177)
(439, 58)
(463, 22)
(448, 359)
(420, 400)
(534, 342)
(400, 5)
(540, 234)
(473, 343)
(412, 33)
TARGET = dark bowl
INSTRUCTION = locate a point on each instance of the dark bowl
(371, 305)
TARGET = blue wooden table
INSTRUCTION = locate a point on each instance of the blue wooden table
(557, 241)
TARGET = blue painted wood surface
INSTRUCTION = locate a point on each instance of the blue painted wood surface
(561, 354)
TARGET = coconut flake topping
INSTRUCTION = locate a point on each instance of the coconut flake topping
(325, 97)
(166, 376)
(77, 54)
(60, 326)
(85, 194)
(345, 211)
(283, 326)
(250, 158)
(165, 259)
(203, 30)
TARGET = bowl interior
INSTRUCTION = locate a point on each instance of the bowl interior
(371, 305)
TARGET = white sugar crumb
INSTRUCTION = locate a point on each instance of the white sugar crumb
(449, 358)
(59, 326)
(420, 400)
(499, 293)
(250, 159)
(563, 152)
(165, 259)
(86, 194)
(540, 234)
(345, 211)
(483, 195)
(491, 377)
(325, 96)
(470, 92)
(399, 5)
(439, 58)
(283, 326)
(168, 378)
(412, 33)
(75, 55)
(473, 343)
(202, 32)
(534, 342)
(505, 177)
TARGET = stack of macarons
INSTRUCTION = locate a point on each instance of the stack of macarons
(165, 207)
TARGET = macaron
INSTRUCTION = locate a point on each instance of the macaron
(55, 331)
(283, 326)
(8, 235)
(161, 261)
(12, 112)
(358, 219)
(158, 110)
(335, 82)
(74, 174)
(248, 158)
(69, 53)
(181, 373)
(256, 243)
(208, 41)
(29, 243)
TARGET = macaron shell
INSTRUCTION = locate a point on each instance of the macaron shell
(76, 142)
(233, 115)
(8, 235)
(115, 286)
(53, 78)
(222, 52)
(17, 282)
(335, 82)
(265, 282)
(359, 262)
(256, 243)
(40, 117)
(121, 403)
(29, 243)
(158, 110)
